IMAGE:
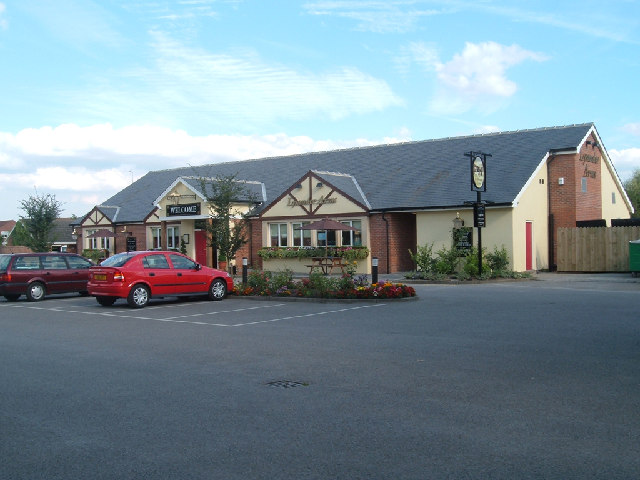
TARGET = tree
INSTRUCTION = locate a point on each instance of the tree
(228, 226)
(41, 213)
(632, 187)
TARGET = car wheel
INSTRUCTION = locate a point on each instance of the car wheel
(217, 289)
(106, 301)
(138, 296)
(35, 292)
(12, 298)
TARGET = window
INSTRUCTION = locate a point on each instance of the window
(157, 260)
(181, 262)
(613, 197)
(351, 238)
(78, 262)
(173, 237)
(584, 184)
(156, 234)
(53, 262)
(96, 243)
(27, 263)
(326, 238)
(278, 234)
(301, 238)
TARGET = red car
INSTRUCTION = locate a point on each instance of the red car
(139, 276)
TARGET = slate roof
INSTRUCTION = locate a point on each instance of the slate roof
(62, 231)
(414, 175)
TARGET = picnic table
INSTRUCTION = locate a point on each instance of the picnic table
(326, 264)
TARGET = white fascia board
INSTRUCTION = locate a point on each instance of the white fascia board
(157, 201)
(529, 181)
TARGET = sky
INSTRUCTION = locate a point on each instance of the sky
(94, 94)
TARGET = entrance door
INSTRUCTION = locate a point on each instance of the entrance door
(201, 247)
(529, 245)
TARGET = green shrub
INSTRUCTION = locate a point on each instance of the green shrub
(498, 261)
(423, 258)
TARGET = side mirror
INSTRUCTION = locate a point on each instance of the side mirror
(198, 267)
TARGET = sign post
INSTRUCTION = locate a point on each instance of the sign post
(478, 164)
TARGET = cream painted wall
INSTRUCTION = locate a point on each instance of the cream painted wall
(436, 228)
(283, 208)
(611, 210)
(533, 205)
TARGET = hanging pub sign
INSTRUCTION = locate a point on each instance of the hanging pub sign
(180, 210)
(478, 172)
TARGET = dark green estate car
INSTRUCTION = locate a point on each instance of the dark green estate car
(39, 274)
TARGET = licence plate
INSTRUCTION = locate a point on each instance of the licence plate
(99, 276)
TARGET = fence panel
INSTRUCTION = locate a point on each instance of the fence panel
(595, 249)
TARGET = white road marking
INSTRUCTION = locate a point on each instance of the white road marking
(183, 318)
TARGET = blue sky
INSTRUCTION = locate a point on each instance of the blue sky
(97, 93)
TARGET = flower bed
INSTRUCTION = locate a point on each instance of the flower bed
(282, 284)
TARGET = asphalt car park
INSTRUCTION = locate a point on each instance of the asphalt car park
(507, 380)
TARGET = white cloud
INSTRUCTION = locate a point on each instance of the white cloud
(626, 161)
(476, 78)
(84, 166)
(3, 22)
(239, 90)
(632, 128)
(372, 15)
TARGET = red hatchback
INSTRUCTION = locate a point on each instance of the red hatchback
(139, 276)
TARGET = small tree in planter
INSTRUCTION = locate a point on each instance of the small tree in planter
(227, 228)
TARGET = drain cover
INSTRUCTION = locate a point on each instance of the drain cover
(287, 384)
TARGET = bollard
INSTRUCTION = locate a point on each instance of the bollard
(374, 270)
(244, 270)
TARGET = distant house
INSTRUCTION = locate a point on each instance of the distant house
(6, 227)
(61, 237)
(394, 197)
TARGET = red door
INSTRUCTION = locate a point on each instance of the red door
(201, 247)
(529, 245)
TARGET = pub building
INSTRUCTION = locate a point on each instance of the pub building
(393, 197)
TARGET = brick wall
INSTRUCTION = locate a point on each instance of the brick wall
(400, 230)
(568, 203)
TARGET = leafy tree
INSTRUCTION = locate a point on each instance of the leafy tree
(19, 235)
(41, 213)
(632, 186)
(228, 227)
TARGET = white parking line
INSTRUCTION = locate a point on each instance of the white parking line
(183, 318)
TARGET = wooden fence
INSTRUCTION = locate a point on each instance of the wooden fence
(597, 249)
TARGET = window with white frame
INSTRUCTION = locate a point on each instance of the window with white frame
(278, 234)
(173, 237)
(326, 238)
(301, 238)
(584, 185)
(352, 238)
(98, 243)
(156, 235)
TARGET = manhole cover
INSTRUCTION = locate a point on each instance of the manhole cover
(287, 384)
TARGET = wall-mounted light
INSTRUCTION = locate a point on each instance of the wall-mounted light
(319, 184)
(124, 229)
(299, 186)
(74, 234)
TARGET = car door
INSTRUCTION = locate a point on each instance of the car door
(56, 273)
(190, 278)
(78, 271)
(159, 274)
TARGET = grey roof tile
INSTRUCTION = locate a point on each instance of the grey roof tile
(423, 174)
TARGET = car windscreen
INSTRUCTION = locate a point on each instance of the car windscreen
(4, 262)
(117, 260)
